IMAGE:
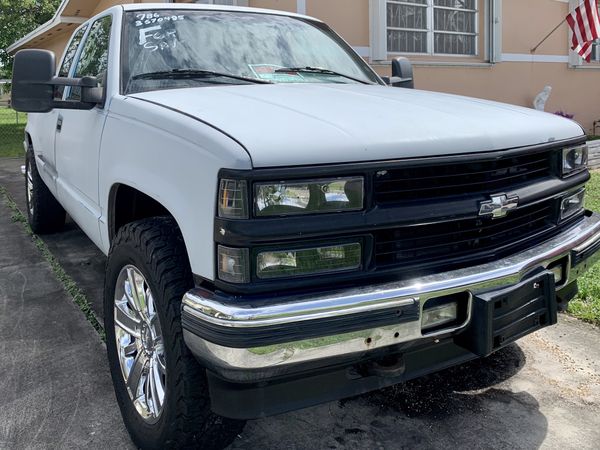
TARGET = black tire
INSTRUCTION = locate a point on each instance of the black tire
(155, 247)
(44, 213)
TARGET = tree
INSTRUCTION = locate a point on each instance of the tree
(17, 18)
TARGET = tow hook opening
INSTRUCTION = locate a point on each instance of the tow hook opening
(388, 366)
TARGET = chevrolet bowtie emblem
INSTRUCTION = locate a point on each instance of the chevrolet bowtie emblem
(499, 206)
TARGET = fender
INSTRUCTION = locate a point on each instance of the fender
(174, 160)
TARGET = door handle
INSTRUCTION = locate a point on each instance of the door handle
(59, 124)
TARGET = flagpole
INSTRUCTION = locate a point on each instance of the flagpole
(548, 35)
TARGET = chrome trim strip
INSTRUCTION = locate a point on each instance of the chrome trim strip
(582, 247)
(279, 356)
(331, 306)
(495, 275)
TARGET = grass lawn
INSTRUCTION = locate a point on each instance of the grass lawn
(11, 133)
(587, 305)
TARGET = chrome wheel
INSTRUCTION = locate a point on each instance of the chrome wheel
(29, 178)
(139, 343)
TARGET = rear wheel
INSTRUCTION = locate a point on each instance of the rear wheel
(161, 389)
(44, 213)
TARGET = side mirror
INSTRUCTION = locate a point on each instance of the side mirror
(402, 73)
(34, 82)
(31, 89)
(91, 91)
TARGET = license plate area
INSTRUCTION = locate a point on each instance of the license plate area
(503, 316)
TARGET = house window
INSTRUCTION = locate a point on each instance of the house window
(446, 27)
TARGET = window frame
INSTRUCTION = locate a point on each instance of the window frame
(84, 27)
(90, 25)
(430, 30)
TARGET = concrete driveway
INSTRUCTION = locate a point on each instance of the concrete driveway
(55, 389)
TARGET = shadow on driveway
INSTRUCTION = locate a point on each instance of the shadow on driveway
(462, 407)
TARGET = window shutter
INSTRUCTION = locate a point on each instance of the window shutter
(495, 31)
(378, 32)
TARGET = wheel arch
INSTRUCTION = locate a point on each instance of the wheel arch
(28, 140)
(127, 204)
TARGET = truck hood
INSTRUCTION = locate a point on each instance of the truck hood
(304, 124)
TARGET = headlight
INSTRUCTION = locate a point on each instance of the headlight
(572, 204)
(233, 203)
(289, 263)
(574, 159)
(309, 197)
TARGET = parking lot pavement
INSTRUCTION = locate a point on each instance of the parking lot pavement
(55, 390)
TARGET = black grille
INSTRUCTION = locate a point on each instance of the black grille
(454, 243)
(469, 177)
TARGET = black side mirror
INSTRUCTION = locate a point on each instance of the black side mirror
(34, 82)
(91, 92)
(31, 89)
(402, 73)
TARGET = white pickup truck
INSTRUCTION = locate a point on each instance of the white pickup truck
(283, 226)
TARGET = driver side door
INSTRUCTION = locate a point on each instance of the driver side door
(79, 132)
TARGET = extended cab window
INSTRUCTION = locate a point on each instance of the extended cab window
(166, 49)
(70, 53)
(93, 59)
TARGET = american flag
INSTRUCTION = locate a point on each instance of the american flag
(585, 23)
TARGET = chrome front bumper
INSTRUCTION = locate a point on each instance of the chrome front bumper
(577, 247)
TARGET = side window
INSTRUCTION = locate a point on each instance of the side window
(70, 53)
(93, 59)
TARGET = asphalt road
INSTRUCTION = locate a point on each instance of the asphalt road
(55, 389)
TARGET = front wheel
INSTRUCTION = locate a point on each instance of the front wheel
(161, 389)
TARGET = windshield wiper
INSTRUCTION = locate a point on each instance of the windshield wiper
(178, 74)
(320, 70)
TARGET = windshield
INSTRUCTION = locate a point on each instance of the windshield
(166, 49)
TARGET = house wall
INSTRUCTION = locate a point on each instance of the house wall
(350, 18)
(281, 5)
